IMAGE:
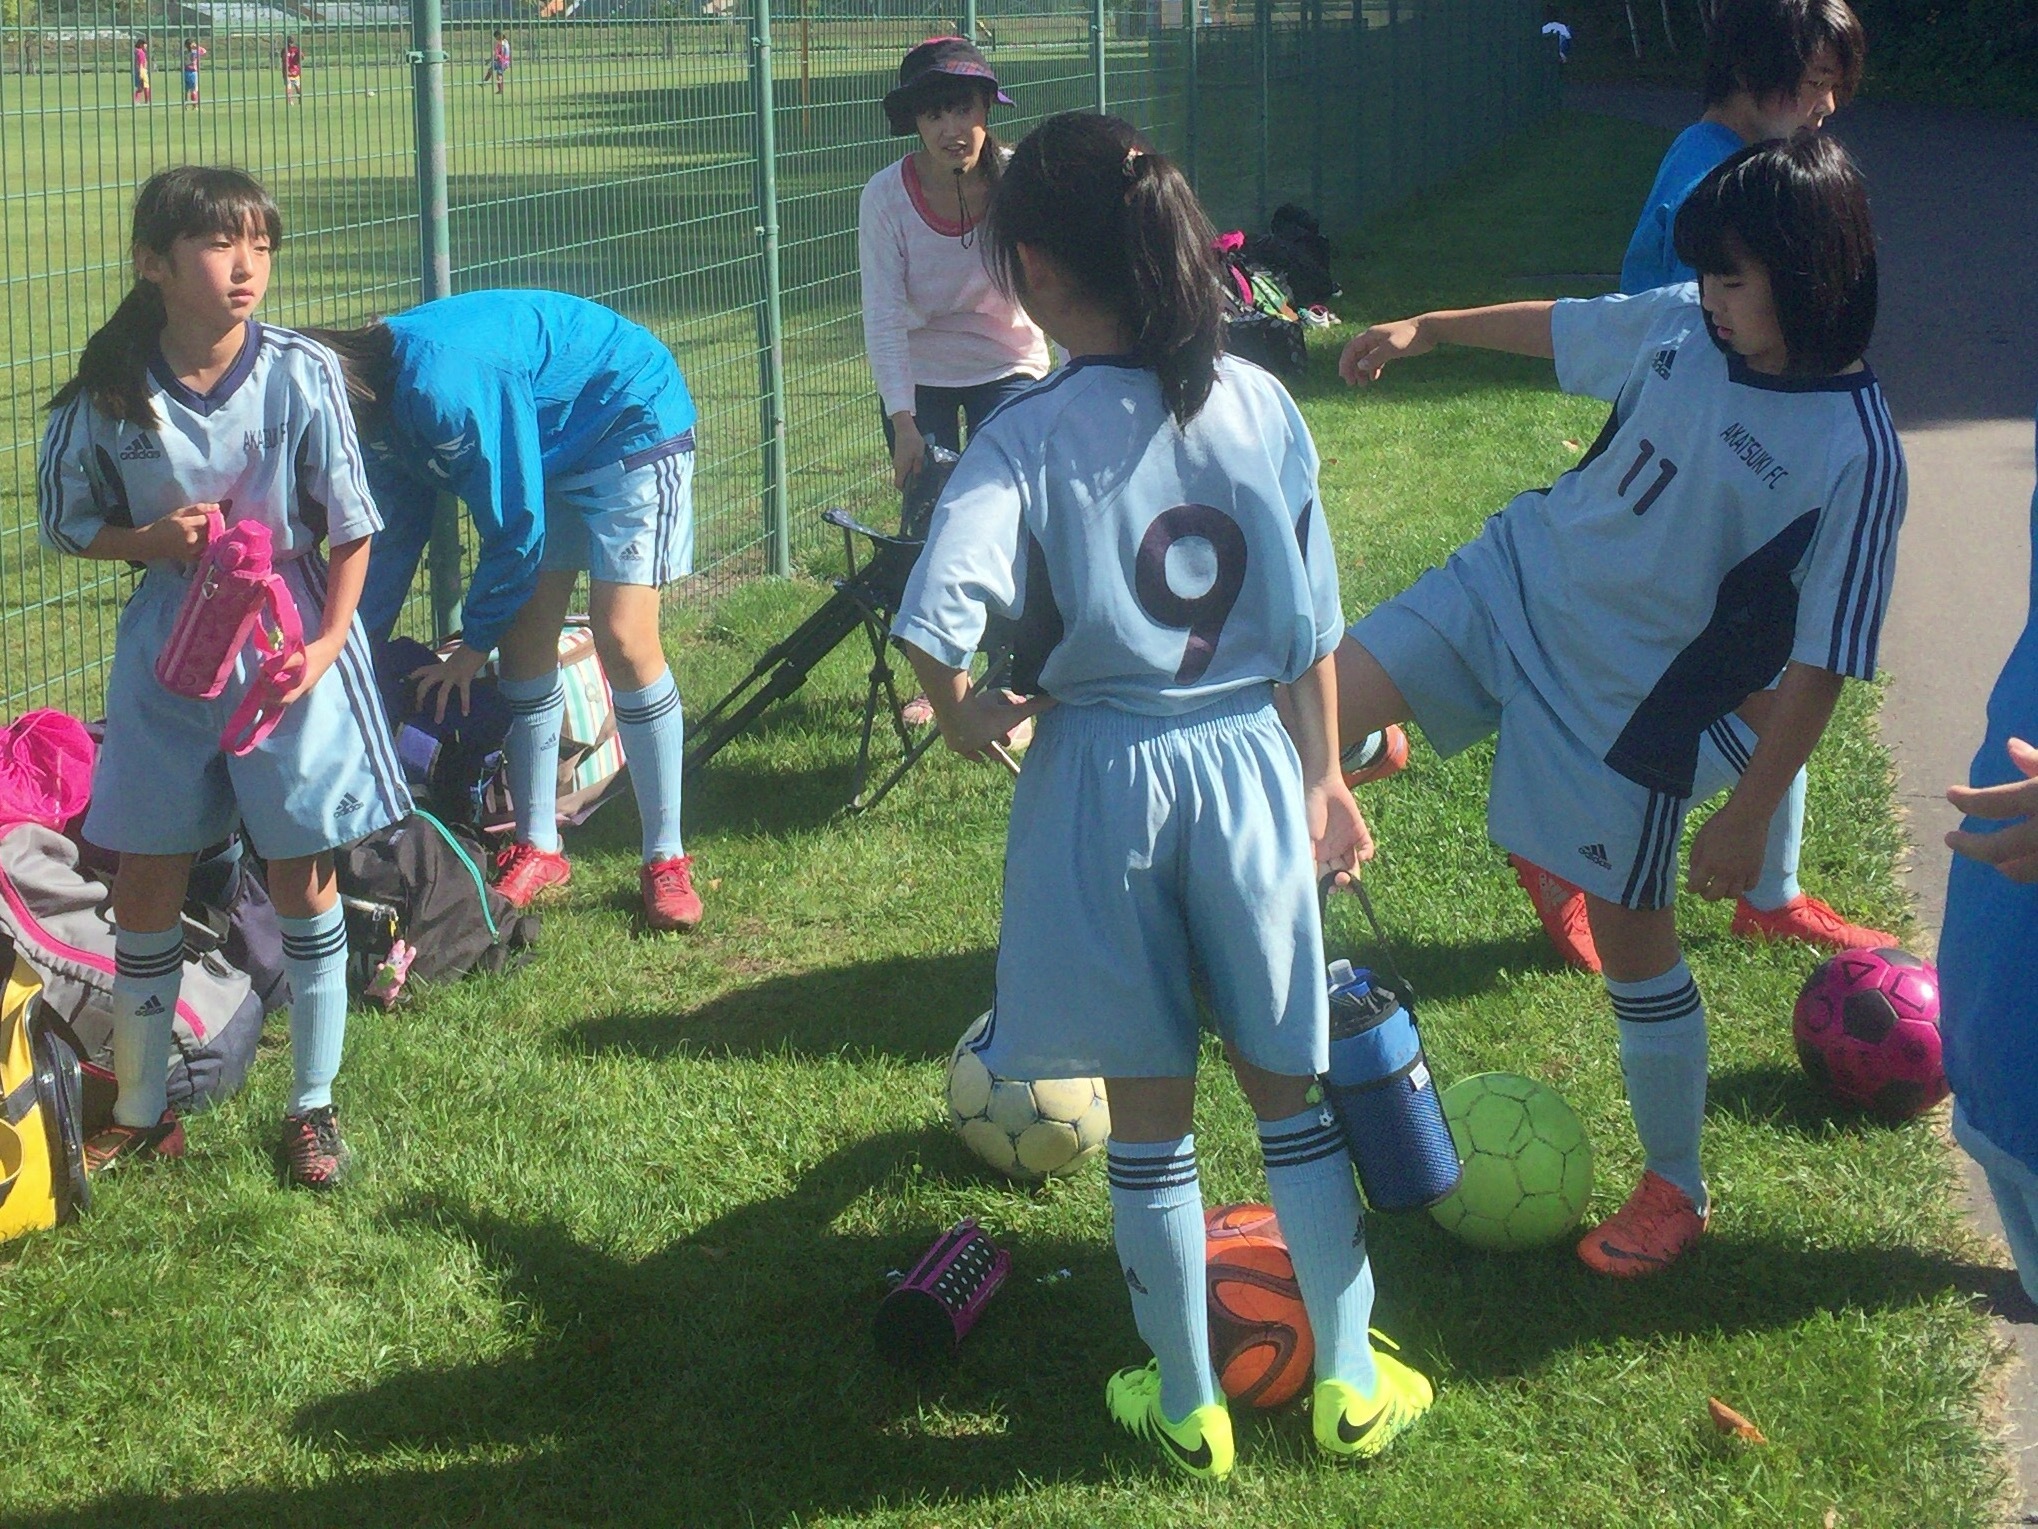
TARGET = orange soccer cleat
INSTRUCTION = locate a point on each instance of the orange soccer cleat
(670, 901)
(523, 871)
(1809, 919)
(1561, 907)
(1646, 1235)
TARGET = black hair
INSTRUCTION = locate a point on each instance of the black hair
(187, 202)
(1766, 47)
(368, 364)
(1797, 207)
(1124, 226)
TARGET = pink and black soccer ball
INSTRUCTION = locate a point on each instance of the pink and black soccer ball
(1867, 1031)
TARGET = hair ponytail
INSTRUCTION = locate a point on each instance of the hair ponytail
(188, 202)
(367, 358)
(1124, 226)
(113, 372)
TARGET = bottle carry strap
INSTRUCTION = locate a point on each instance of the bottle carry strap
(1403, 988)
(279, 639)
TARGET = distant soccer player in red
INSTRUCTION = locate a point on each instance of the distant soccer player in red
(142, 93)
(293, 71)
(497, 67)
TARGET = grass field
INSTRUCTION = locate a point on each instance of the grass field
(622, 1217)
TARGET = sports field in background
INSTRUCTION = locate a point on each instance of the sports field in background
(622, 1218)
(621, 164)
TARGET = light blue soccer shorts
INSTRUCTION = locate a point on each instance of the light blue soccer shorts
(630, 522)
(1143, 849)
(325, 777)
(1553, 800)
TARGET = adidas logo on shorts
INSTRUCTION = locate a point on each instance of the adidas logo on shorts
(150, 1009)
(347, 806)
(141, 449)
(1596, 853)
(1664, 360)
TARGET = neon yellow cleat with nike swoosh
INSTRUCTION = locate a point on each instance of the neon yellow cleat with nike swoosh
(1355, 1427)
(1200, 1445)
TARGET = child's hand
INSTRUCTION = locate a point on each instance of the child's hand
(1726, 854)
(182, 534)
(2013, 850)
(319, 655)
(443, 679)
(1366, 355)
(1338, 835)
(970, 726)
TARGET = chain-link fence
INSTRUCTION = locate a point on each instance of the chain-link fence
(697, 168)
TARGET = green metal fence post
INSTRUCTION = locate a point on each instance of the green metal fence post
(1194, 105)
(770, 323)
(435, 266)
(1097, 52)
(1312, 16)
(969, 19)
(1263, 33)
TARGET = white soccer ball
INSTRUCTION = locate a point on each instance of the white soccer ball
(1025, 1130)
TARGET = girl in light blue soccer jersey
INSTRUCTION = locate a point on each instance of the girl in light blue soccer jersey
(1148, 514)
(184, 405)
(1735, 522)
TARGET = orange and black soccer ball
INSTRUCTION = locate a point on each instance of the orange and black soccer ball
(1260, 1343)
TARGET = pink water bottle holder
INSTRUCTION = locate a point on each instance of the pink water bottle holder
(235, 595)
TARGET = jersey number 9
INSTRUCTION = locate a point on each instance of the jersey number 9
(1201, 616)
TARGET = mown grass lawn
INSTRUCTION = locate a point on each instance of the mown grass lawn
(622, 1217)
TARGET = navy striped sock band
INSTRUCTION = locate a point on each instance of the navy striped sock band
(1147, 1175)
(1657, 1008)
(149, 967)
(650, 711)
(544, 703)
(1311, 1144)
(318, 946)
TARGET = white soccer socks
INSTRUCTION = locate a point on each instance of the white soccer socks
(1309, 1177)
(654, 741)
(537, 712)
(1157, 1221)
(1662, 1057)
(315, 955)
(148, 972)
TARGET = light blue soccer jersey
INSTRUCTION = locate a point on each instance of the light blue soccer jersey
(1652, 259)
(1728, 523)
(273, 436)
(1149, 567)
(495, 393)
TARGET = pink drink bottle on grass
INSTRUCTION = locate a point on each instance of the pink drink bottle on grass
(235, 594)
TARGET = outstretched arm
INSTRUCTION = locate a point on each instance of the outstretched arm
(1520, 328)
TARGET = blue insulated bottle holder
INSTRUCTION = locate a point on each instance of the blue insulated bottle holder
(1381, 1089)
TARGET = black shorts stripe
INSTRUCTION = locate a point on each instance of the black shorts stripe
(357, 679)
(1728, 742)
(1648, 883)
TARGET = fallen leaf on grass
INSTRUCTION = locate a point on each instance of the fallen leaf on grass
(714, 883)
(1832, 1518)
(1726, 1420)
(1573, 446)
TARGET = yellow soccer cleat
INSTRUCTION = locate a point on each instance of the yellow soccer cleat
(1200, 1445)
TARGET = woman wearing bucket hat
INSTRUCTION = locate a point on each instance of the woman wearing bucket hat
(945, 345)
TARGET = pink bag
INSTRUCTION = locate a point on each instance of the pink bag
(45, 769)
(234, 588)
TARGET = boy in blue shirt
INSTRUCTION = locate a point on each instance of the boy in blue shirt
(1771, 68)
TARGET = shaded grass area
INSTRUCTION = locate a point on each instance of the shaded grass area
(622, 1217)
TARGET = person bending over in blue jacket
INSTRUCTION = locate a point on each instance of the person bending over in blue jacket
(567, 431)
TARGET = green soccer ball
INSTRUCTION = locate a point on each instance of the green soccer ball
(1528, 1165)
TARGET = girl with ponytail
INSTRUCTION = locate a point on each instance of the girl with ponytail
(188, 416)
(1148, 518)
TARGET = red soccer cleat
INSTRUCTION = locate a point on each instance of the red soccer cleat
(670, 902)
(119, 1143)
(314, 1156)
(1808, 919)
(1646, 1235)
(1387, 755)
(1561, 907)
(523, 871)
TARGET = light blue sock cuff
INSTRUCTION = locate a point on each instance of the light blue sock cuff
(647, 704)
(1164, 1171)
(1656, 1000)
(301, 931)
(142, 943)
(539, 689)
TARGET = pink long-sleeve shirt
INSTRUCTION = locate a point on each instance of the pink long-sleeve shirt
(932, 316)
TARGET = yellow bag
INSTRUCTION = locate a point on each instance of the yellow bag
(42, 1138)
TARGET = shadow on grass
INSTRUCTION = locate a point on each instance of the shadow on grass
(727, 1378)
(1784, 1100)
(906, 1006)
